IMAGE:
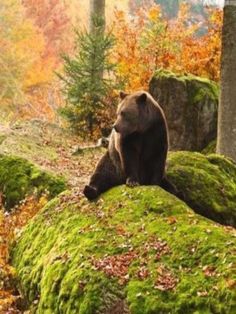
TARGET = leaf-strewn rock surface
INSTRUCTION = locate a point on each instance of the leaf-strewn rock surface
(140, 251)
(206, 183)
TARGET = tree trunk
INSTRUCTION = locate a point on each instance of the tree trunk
(97, 8)
(97, 11)
(226, 139)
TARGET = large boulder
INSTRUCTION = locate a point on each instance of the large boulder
(19, 178)
(190, 105)
(206, 183)
(136, 251)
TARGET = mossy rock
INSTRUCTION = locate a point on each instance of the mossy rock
(18, 178)
(190, 104)
(210, 148)
(198, 88)
(206, 183)
(139, 251)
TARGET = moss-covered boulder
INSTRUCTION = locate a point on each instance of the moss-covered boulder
(190, 105)
(18, 178)
(139, 251)
(206, 183)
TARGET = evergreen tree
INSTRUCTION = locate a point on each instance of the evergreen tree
(88, 78)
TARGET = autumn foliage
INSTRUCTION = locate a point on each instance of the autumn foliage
(34, 33)
(32, 36)
(10, 226)
(148, 42)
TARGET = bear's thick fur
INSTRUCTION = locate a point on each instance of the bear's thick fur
(137, 148)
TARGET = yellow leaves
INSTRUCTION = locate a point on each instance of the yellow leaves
(19, 33)
(154, 13)
(28, 57)
(39, 72)
(28, 48)
(231, 283)
(21, 44)
(7, 300)
(10, 224)
(147, 42)
(184, 11)
(120, 15)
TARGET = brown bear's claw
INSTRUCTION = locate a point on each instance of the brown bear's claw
(90, 192)
(131, 183)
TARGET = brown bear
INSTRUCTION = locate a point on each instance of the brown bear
(137, 148)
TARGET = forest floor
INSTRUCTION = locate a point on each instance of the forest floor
(52, 148)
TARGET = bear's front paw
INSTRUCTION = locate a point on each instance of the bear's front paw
(131, 182)
(90, 192)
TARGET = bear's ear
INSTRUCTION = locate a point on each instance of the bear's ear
(123, 95)
(142, 99)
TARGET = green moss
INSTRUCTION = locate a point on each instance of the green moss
(56, 256)
(18, 177)
(210, 149)
(198, 88)
(206, 183)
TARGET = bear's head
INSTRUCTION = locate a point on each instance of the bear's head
(132, 113)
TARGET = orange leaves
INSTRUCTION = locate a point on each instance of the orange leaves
(127, 50)
(18, 49)
(147, 42)
(165, 279)
(10, 225)
(52, 20)
(51, 17)
(32, 36)
(7, 303)
(116, 266)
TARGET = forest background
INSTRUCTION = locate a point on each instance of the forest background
(181, 36)
(36, 39)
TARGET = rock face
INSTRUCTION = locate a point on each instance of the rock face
(206, 183)
(190, 104)
(19, 177)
